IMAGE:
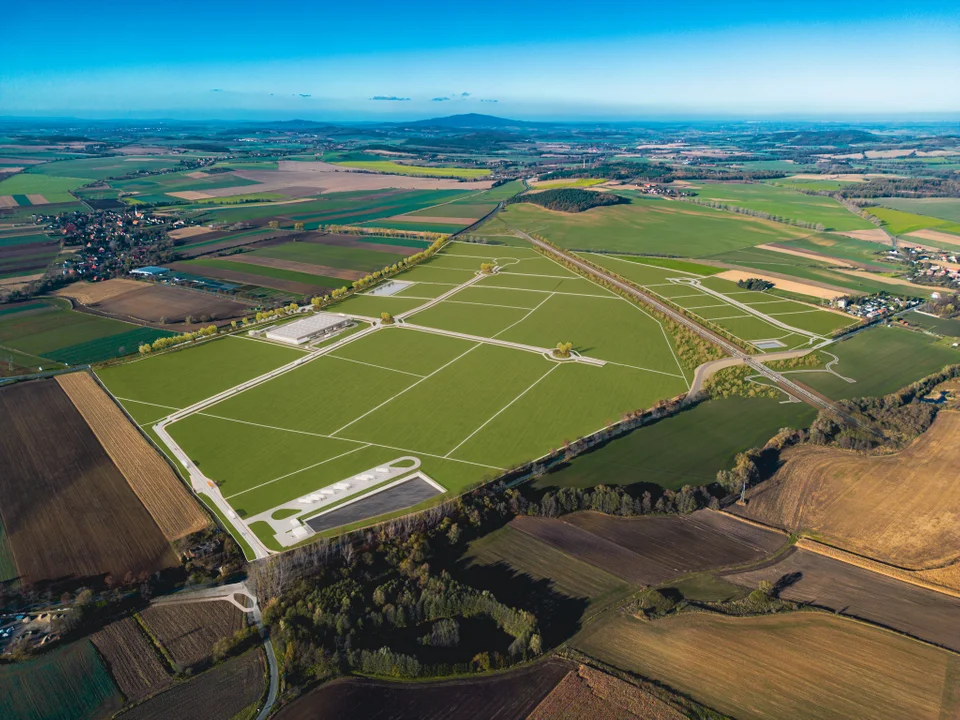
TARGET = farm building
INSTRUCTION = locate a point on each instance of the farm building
(310, 328)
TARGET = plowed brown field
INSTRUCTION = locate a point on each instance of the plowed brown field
(131, 659)
(902, 509)
(588, 694)
(159, 489)
(188, 631)
(66, 509)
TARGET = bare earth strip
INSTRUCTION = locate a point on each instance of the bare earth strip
(295, 266)
(936, 236)
(242, 278)
(7, 201)
(902, 509)
(824, 292)
(89, 293)
(190, 231)
(875, 235)
(197, 174)
(166, 498)
(773, 247)
(19, 279)
(194, 195)
(131, 659)
(37, 199)
(431, 219)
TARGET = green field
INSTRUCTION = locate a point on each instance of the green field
(843, 248)
(756, 322)
(107, 167)
(54, 188)
(153, 387)
(899, 222)
(647, 226)
(466, 407)
(349, 258)
(70, 683)
(53, 334)
(710, 434)
(785, 203)
(395, 168)
(809, 184)
(881, 360)
(948, 327)
(942, 208)
(267, 272)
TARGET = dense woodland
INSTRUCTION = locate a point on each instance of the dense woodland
(902, 187)
(570, 200)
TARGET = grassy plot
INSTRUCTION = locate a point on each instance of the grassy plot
(942, 208)
(395, 168)
(710, 435)
(799, 665)
(783, 202)
(646, 225)
(266, 272)
(881, 360)
(350, 258)
(844, 248)
(67, 684)
(180, 378)
(103, 168)
(899, 222)
(55, 189)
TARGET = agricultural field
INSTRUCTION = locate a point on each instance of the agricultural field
(809, 184)
(154, 303)
(646, 225)
(810, 578)
(652, 550)
(900, 222)
(188, 631)
(218, 694)
(900, 509)
(947, 209)
(67, 511)
(809, 665)
(104, 168)
(711, 433)
(589, 693)
(444, 366)
(759, 319)
(30, 188)
(783, 202)
(947, 327)
(241, 272)
(47, 333)
(859, 253)
(26, 253)
(880, 361)
(70, 683)
(131, 659)
(395, 168)
(512, 695)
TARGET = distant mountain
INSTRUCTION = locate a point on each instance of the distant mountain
(470, 121)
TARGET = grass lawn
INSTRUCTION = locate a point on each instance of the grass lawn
(803, 666)
(784, 203)
(646, 226)
(372, 305)
(881, 360)
(686, 449)
(683, 266)
(182, 377)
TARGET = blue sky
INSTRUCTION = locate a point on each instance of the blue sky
(535, 60)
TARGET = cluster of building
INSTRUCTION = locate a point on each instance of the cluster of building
(873, 307)
(110, 242)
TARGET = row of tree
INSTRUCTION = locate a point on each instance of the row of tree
(170, 341)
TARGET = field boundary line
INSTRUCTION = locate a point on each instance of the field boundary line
(551, 277)
(390, 399)
(144, 402)
(655, 267)
(467, 302)
(289, 474)
(531, 312)
(550, 292)
(380, 367)
(637, 367)
(497, 414)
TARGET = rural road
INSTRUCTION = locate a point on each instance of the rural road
(703, 332)
(228, 593)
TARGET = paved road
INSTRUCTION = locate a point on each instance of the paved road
(703, 332)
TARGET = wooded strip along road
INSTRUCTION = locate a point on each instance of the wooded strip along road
(677, 317)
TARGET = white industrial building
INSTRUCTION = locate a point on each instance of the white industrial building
(310, 328)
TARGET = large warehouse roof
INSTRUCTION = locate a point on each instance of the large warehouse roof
(305, 328)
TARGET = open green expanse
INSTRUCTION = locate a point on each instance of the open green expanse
(899, 222)
(52, 334)
(721, 303)
(948, 327)
(54, 188)
(70, 683)
(267, 272)
(108, 167)
(810, 184)
(881, 360)
(943, 208)
(647, 225)
(468, 408)
(395, 168)
(783, 202)
(843, 248)
(709, 434)
(349, 258)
